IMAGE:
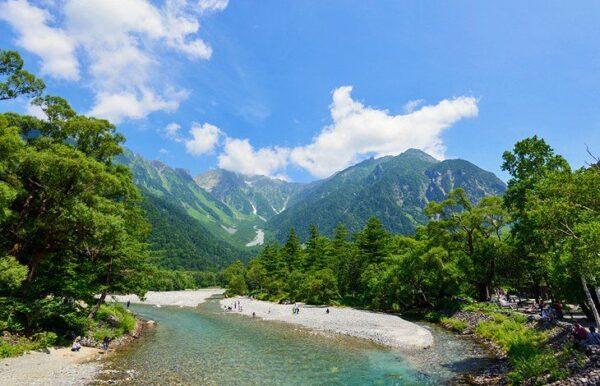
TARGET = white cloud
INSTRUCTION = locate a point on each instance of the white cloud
(204, 139)
(172, 132)
(53, 45)
(163, 151)
(212, 5)
(117, 106)
(119, 42)
(238, 155)
(359, 131)
(36, 111)
(411, 106)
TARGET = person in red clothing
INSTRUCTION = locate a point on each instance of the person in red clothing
(579, 332)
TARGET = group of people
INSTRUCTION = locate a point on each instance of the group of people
(76, 346)
(550, 312)
(237, 306)
(581, 334)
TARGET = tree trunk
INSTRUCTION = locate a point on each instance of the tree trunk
(586, 311)
(591, 301)
(97, 306)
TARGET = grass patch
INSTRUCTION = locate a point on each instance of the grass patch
(481, 307)
(11, 346)
(525, 348)
(112, 320)
(454, 324)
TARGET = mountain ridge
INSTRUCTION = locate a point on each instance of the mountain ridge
(235, 208)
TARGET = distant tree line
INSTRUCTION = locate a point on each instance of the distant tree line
(541, 237)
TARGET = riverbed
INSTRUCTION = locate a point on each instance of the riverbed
(205, 345)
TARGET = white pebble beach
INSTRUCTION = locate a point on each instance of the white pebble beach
(385, 329)
(189, 298)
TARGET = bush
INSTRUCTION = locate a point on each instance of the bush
(112, 320)
(481, 307)
(11, 346)
(433, 316)
(455, 324)
(524, 347)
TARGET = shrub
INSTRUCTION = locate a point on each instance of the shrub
(13, 345)
(481, 307)
(112, 320)
(455, 324)
(524, 347)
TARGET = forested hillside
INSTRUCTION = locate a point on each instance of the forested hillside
(182, 242)
(175, 186)
(394, 189)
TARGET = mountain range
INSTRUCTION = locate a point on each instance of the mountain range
(234, 213)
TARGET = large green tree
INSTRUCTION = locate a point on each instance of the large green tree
(67, 213)
(565, 209)
(530, 161)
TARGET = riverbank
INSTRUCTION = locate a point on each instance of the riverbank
(54, 366)
(188, 298)
(385, 329)
(60, 365)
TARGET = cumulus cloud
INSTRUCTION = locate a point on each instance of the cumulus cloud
(136, 105)
(358, 131)
(171, 131)
(239, 155)
(53, 45)
(212, 5)
(203, 139)
(118, 43)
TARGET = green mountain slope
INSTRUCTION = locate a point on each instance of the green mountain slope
(178, 188)
(258, 195)
(182, 242)
(395, 189)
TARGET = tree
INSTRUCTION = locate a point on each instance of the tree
(372, 241)
(14, 81)
(12, 274)
(292, 251)
(320, 287)
(475, 231)
(67, 214)
(316, 250)
(565, 210)
(530, 161)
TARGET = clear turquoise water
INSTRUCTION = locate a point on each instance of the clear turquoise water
(205, 346)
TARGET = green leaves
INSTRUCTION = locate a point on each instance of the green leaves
(69, 218)
(12, 274)
(14, 81)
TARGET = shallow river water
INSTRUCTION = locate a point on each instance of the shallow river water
(206, 346)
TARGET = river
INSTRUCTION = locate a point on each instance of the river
(206, 346)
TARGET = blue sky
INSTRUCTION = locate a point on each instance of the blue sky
(303, 88)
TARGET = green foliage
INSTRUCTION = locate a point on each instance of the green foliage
(12, 274)
(112, 320)
(14, 345)
(320, 287)
(183, 243)
(393, 189)
(455, 324)
(525, 347)
(70, 222)
(14, 81)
